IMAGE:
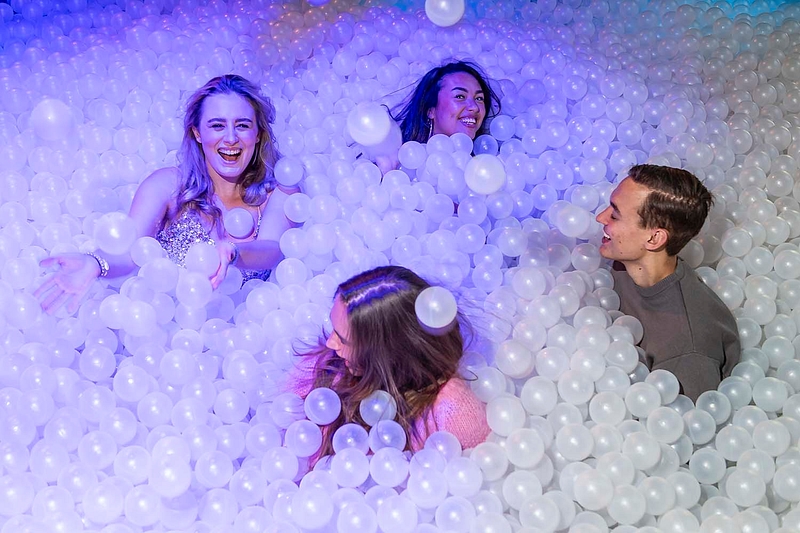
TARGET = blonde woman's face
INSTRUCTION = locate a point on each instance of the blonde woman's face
(228, 134)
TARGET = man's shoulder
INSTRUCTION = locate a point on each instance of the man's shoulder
(700, 298)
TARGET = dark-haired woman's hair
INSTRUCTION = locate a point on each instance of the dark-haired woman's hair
(390, 351)
(413, 117)
(257, 181)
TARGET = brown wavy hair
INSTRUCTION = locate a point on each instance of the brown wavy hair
(390, 351)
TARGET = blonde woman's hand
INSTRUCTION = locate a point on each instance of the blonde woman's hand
(69, 283)
(228, 253)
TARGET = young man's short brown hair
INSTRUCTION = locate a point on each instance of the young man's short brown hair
(677, 202)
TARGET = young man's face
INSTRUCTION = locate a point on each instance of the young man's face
(624, 237)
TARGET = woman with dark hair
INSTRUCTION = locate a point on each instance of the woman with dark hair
(226, 161)
(377, 343)
(455, 97)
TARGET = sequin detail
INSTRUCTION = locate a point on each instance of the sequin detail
(186, 230)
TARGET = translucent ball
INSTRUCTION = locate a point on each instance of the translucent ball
(665, 425)
(322, 406)
(436, 308)
(628, 504)
(369, 123)
(514, 359)
(786, 482)
(444, 13)
(642, 449)
(492, 459)
(485, 174)
(573, 221)
(607, 408)
(666, 383)
(464, 477)
(202, 258)
(115, 233)
(771, 437)
(770, 394)
(504, 414)
(444, 443)
(700, 426)
(279, 464)
(303, 438)
(388, 467)
(745, 487)
(732, 441)
(387, 433)
(524, 448)
(397, 514)
(707, 465)
(103, 502)
(539, 396)
(51, 119)
(540, 513)
(593, 490)
(357, 517)
(238, 223)
(170, 475)
(377, 406)
(350, 467)
(574, 442)
(641, 399)
(311, 507)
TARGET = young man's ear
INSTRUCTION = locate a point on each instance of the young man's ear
(658, 240)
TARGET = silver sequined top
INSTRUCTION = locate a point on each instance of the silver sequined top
(186, 230)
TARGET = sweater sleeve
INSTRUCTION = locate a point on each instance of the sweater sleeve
(458, 411)
(733, 352)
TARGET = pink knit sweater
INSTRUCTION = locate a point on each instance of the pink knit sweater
(456, 409)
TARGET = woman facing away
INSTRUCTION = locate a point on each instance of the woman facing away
(225, 161)
(376, 344)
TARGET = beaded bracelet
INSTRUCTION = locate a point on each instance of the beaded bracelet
(102, 263)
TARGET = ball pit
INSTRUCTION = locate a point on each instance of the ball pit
(158, 406)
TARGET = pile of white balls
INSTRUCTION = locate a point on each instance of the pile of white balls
(159, 406)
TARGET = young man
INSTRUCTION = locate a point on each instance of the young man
(654, 212)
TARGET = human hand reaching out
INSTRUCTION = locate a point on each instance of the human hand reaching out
(69, 284)
(228, 253)
(387, 163)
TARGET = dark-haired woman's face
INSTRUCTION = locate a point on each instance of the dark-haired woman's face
(460, 107)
